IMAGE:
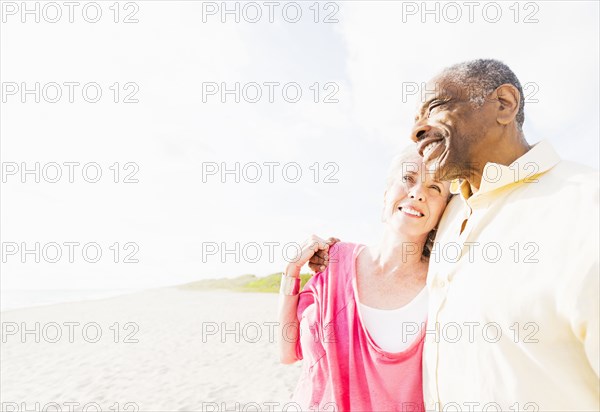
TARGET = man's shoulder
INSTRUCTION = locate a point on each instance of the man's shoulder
(569, 171)
(569, 179)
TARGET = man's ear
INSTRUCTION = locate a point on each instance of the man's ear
(509, 100)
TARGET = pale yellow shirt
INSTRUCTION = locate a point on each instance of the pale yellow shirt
(515, 296)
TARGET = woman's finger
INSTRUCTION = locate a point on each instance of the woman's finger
(317, 260)
(316, 267)
(316, 243)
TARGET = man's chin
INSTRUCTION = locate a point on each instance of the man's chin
(443, 170)
(435, 169)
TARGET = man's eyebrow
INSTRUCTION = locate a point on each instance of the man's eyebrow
(427, 102)
(442, 97)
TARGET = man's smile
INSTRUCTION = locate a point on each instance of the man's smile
(431, 149)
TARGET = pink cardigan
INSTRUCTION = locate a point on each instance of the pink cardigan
(343, 368)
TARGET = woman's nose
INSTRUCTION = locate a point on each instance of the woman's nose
(417, 192)
(417, 196)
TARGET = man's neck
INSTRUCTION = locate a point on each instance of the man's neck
(504, 153)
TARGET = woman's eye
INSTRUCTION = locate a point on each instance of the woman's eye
(436, 188)
(407, 179)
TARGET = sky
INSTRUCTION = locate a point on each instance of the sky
(324, 100)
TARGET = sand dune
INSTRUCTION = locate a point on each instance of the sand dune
(160, 350)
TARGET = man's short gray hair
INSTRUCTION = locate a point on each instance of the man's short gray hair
(481, 77)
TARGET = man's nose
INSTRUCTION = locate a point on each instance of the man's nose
(419, 132)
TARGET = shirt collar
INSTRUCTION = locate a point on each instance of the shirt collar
(539, 159)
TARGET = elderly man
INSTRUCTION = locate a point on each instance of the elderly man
(513, 277)
(514, 285)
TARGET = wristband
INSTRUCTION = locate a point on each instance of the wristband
(290, 285)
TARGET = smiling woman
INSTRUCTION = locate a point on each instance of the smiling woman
(361, 319)
(406, 170)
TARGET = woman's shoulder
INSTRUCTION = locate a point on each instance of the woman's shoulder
(341, 255)
(342, 258)
(346, 250)
(333, 286)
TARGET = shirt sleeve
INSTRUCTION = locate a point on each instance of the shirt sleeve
(585, 315)
(582, 307)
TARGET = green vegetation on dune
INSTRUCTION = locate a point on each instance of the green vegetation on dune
(227, 283)
(270, 284)
(245, 283)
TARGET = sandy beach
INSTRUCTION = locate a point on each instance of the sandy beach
(160, 350)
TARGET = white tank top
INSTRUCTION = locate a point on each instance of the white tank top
(395, 330)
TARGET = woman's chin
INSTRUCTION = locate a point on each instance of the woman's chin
(403, 227)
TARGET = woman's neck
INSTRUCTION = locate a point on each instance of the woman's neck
(398, 255)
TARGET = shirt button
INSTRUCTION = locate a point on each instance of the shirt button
(442, 283)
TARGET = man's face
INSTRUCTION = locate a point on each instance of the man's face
(449, 131)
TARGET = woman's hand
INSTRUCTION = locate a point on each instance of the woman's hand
(314, 251)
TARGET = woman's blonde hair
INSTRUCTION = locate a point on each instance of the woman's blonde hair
(406, 159)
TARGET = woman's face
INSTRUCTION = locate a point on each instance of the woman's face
(414, 201)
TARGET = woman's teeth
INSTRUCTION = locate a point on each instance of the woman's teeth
(411, 211)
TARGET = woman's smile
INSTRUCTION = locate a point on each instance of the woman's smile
(411, 211)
